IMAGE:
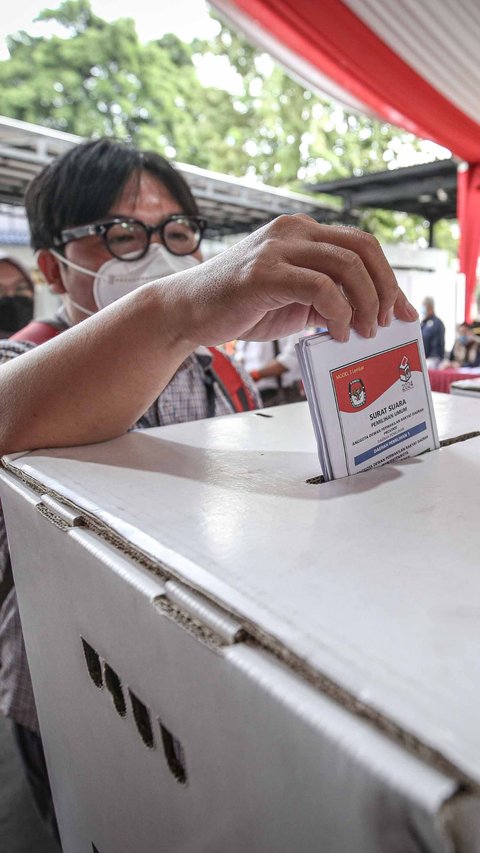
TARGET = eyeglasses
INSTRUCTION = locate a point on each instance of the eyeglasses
(129, 239)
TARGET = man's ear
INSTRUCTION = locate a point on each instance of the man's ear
(49, 266)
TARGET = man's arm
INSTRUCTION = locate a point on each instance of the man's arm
(285, 361)
(271, 368)
(92, 382)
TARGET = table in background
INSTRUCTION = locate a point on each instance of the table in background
(466, 388)
(440, 380)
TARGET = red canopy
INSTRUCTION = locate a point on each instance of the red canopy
(413, 64)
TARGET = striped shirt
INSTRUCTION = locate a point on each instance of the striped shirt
(184, 399)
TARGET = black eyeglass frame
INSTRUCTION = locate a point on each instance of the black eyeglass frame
(100, 229)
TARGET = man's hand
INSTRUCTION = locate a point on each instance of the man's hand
(291, 273)
(100, 376)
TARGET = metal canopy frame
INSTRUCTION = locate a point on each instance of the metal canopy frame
(229, 204)
(428, 190)
(233, 207)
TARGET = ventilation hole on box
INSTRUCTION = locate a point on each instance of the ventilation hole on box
(94, 665)
(114, 686)
(174, 754)
(141, 715)
(263, 415)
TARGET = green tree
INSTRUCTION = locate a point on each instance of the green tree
(293, 137)
(95, 78)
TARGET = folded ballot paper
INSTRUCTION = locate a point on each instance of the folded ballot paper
(369, 398)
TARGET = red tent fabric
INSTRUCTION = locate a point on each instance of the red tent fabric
(413, 64)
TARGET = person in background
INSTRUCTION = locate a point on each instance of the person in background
(273, 366)
(16, 296)
(433, 333)
(466, 348)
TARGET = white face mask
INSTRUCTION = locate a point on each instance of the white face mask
(116, 278)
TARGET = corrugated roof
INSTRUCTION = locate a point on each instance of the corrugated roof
(229, 204)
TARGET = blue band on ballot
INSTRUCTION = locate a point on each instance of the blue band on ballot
(391, 442)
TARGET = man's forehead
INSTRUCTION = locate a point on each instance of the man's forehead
(146, 195)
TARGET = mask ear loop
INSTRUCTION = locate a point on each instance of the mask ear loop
(63, 260)
(71, 264)
(96, 274)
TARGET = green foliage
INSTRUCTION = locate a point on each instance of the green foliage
(95, 78)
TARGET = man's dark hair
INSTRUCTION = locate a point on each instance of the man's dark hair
(82, 186)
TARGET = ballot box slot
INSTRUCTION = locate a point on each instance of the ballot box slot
(465, 437)
(446, 442)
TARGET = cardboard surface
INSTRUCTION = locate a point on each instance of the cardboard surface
(265, 762)
(367, 588)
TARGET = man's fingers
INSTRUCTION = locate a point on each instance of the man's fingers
(322, 295)
(290, 271)
(367, 248)
(346, 270)
(403, 309)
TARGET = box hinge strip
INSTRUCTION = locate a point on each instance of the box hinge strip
(201, 610)
(52, 508)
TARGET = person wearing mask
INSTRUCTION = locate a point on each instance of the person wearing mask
(16, 296)
(466, 348)
(118, 237)
(433, 333)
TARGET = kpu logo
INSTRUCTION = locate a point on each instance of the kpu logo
(357, 393)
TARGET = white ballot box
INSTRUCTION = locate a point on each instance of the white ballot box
(230, 656)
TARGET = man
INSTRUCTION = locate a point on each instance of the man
(433, 333)
(104, 219)
(125, 342)
(274, 367)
